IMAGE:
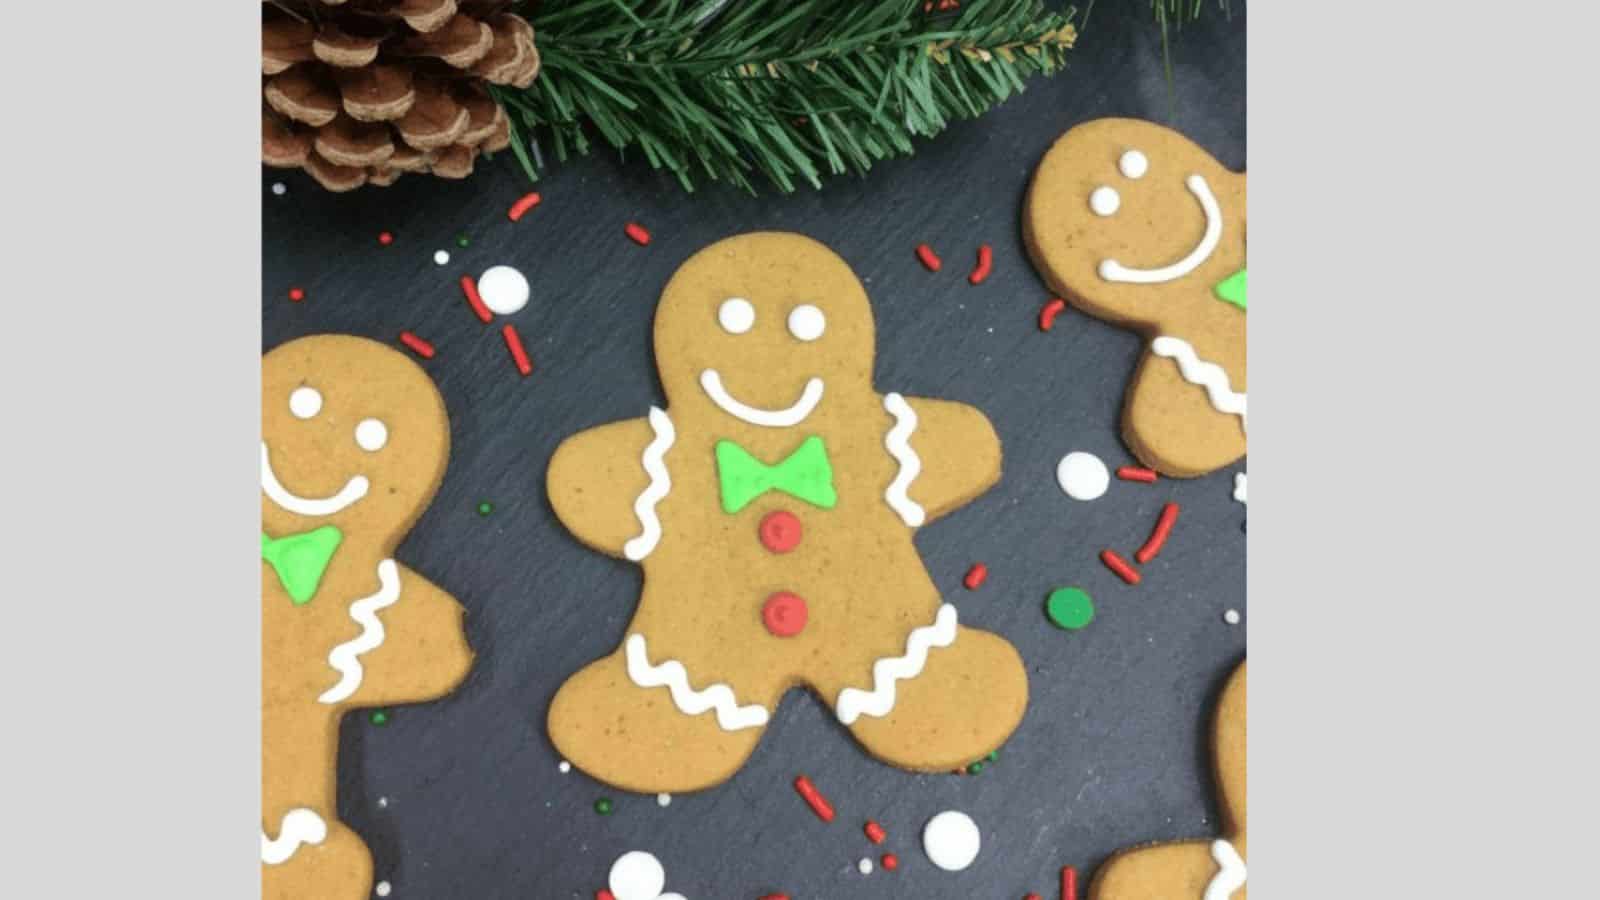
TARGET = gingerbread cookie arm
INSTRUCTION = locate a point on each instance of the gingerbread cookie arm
(429, 661)
(604, 483)
(957, 450)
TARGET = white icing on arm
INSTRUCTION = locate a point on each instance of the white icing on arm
(345, 658)
(1111, 270)
(1208, 375)
(660, 484)
(1230, 872)
(855, 702)
(898, 442)
(300, 826)
(673, 676)
(353, 490)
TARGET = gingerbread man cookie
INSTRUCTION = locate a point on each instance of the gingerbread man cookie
(1136, 224)
(772, 505)
(354, 443)
(1194, 870)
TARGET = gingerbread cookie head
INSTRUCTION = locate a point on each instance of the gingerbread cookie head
(762, 327)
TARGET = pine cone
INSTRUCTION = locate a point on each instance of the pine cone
(361, 91)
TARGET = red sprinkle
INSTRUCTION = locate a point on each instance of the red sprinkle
(814, 799)
(976, 576)
(1158, 535)
(604, 894)
(296, 295)
(422, 347)
(774, 897)
(521, 207)
(1047, 316)
(985, 263)
(875, 832)
(1032, 897)
(1069, 883)
(518, 355)
(637, 233)
(930, 260)
(1120, 566)
(1134, 473)
(385, 238)
(470, 289)
(890, 861)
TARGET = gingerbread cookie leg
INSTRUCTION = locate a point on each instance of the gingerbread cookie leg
(642, 723)
(1172, 423)
(309, 854)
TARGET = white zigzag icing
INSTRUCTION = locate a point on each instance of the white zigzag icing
(644, 507)
(898, 442)
(345, 658)
(1230, 872)
(300, 826)
(672, 675)
(853, 702)
(1208, 375)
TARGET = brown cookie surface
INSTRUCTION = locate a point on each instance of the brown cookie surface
(1201, 870)
(771, 505)
(1136, 224)
(354, 444)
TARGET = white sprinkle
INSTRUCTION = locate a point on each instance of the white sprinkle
(383, 802)
(865, 866)
(441, 257)
(383, 889)
(503, 289)
(565, 767)
(637, 875)
(951, 839)
(1083, 476)
(1231, 617)
(280, 188)
(663, 799)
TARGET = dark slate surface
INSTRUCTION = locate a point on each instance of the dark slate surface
(462, 798)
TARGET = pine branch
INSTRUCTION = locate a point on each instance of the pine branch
(785, 90)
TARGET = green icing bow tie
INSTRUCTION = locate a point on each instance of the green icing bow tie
(300, 559)
(1231, 289)
(806, 474)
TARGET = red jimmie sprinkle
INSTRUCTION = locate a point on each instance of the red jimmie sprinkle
(890, 861)
(1069, 883)
(1134, 473)
(875, 832)
(1047, 316)
(985, 263)
(1158, 535)
(1032, 897)
(976, 576)
(420, 346)
(814, 799)
(930, 260)
(521, 207)
(385, 238)
(296, 295)
(774, 897)
(518, 355)
(637, 233)
(604, 894)
(1120, 566)
(470, 289)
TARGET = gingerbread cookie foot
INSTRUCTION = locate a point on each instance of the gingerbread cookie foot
(312, 855)
(637, 738)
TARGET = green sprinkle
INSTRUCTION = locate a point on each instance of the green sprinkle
(461, 240)
(994, 755)
(379, 717)
(485, 508)
(1070, 608)
(976, 768)
(603, 806)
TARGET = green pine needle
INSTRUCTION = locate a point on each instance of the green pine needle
(785, 91)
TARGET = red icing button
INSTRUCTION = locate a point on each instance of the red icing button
(784, 614)
(780, 531)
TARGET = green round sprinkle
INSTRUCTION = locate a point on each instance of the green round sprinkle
(461, 240)
(1070, 608)
(485, 508)
(994, 755)
(603, 806)
(976, 768)
(379, 717)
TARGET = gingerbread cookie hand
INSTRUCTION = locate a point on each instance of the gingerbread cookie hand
(772, 504)
(354, 444)
(1135, 224)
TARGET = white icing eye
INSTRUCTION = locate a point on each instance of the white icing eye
(806, 322)
(1133, 164)
(1105, 200)
(736, 315)
(305, 402)
(372, 434)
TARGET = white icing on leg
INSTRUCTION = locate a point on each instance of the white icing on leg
(660, 484)
(345, 658)
(300, 826)
(898, 442)
(855, 702)
(673, 676)
(1197, 371)
(1230, 872)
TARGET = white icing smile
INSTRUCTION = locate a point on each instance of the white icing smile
(794, 414)
(353, 490)
(1111, 270)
